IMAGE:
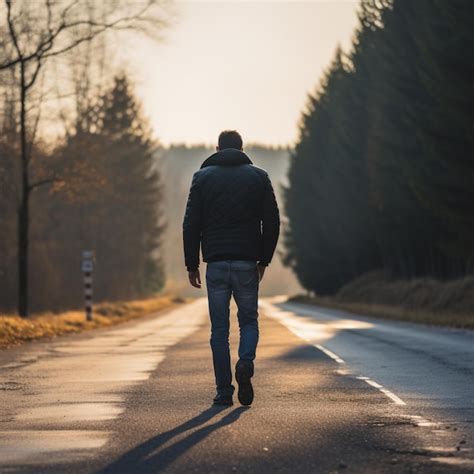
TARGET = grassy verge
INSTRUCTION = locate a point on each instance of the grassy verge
(15, 330)
(439, 318)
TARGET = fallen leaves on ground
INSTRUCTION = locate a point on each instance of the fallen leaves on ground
(15, 330)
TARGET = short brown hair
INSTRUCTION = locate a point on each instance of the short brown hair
(230, 139)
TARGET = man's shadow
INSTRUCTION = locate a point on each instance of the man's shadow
(148, 457)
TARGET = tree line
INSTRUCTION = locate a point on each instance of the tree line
(106, 197)
(77, 165)
(382, 175)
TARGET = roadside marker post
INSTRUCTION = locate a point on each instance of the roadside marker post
(87, 269)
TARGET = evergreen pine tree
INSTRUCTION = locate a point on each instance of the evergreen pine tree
(382, 175)
(132, 215)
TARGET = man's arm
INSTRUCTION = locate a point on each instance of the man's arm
(270, 223)
(192, 230)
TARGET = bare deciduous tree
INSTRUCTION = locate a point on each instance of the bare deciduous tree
(31, 34)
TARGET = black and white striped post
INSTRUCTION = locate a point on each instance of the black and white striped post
(87, 269)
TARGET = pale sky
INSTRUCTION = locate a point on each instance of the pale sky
(244, 65)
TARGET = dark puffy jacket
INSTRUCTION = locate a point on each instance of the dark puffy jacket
(231, 211)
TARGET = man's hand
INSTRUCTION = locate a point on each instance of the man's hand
(195, 278)
(261, 271)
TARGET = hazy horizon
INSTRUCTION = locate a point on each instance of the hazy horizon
(224, 73)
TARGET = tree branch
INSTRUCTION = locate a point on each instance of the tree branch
(48, 43)
(11, 29)
(35, 74)
(42, 182)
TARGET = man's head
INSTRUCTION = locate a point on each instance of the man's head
(229, 139)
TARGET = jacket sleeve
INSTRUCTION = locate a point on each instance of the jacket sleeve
(270, 223)
(192, 227)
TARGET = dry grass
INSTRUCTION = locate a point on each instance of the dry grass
(427, 301)
(15, 330)
(451, 296)
(457, 320)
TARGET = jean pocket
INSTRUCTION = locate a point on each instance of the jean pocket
(248, 278)
(215, 277)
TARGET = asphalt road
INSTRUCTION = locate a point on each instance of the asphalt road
(334, 393)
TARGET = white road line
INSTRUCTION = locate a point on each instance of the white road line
(311, 330)
(330, 354)
(397, 400)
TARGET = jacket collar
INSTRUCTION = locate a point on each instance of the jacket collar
(227, 157)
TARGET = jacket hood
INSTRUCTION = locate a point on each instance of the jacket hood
(227, 157)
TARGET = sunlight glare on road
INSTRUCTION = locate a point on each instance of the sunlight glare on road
(308, 329)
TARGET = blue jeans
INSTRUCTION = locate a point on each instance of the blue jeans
(224, 279)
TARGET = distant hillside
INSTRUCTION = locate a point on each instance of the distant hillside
(177, 165)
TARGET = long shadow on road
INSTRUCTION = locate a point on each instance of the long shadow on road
(151, 457)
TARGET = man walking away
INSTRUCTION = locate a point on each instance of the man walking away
(233, 215)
